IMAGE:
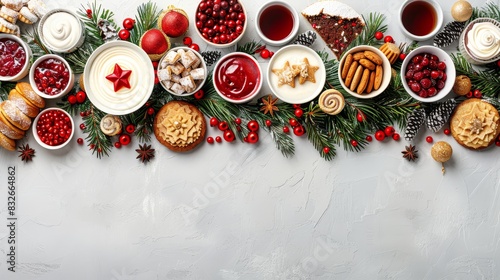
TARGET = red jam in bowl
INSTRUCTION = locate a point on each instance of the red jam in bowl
(54, 127)
(237, 77)
(51, 76)
(12, 57)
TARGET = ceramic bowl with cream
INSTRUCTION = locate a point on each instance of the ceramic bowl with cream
(15, 57)
(51, 76)
(275, 14)
(61, 31)
(420, 20)
(237, 77)
(480, 41)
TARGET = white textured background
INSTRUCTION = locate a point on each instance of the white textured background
(236, 211)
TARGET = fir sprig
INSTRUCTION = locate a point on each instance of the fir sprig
(249, 48)
(91, 22)
(5, 88)
(487, 80)
(374, 23)
(32, 38)
(99, 143)
(146, 18)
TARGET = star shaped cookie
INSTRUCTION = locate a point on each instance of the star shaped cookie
(286, 75)
(306, 71)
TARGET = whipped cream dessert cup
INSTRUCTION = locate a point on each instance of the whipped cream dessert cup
(480, 41)
(61, 31)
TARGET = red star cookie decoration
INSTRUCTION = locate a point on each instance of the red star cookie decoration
(119, 77)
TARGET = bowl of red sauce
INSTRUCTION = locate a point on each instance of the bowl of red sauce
(277, 22)
(15, 57)
(51, 76)
(237, 77)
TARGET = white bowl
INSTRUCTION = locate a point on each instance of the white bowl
(301, 93)
(222, 45)
(65, 90)
(243, 61)
(439, 19)
(386, 75)
(287, 8)
(26, 68)
(203, 65)
(486, 41)
(61, 30)
(37, 137)
(450, 72)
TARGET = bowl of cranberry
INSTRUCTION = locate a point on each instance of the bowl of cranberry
(51, 76)
(428, 74)
(221, 23)
(15, 57)
(53, 128)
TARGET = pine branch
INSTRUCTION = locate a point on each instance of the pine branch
(91, 24)
(99, 143)
(367, 37)
(488, 80)
(37, 47)
(249, 48)
(491, 10)
(146, 18)
(5, 88)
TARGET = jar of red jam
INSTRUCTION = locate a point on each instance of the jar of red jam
(15, 55)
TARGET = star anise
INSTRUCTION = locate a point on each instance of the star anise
(269, 105)
(27, 153)
(145, 153)
(410, 153)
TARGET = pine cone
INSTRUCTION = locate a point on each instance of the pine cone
(450, 33)
(211, 57)
(306, 39)
(440, 114)
(415, 120)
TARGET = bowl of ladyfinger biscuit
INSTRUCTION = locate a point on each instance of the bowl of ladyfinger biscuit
(364, 71)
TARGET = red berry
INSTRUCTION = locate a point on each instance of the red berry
(89, 11)
(299, 130)
(130, 128)
(128, 23)
(218, 139)
(229, 135)
(264, 54)
(369, 138)
(402, 56)
(286, 129)
(151, 111)
(118, 145)
(72, 99)
(388, 39)
(252, 137)
(210, 140)
(82, 126)
(360, 116)
(298, 112)
(429, 139)
(199, 94)
(326, 150)
(81, 96)
(223, 126)
(447, 131)
(497, 143)
(498, 63)
(296, 106)
(271, 53)
(195, 47)
(187, 41)
(214, 121)
(396, 136)
(253, 125)
(268, 123)
(477, 93)
(380, 135)
(379, 35)
(389, 131)
(237, 121)
(354, 143)
(124, 139)
(293, 122)
(79, 141)
(469, 94)
(124, 34)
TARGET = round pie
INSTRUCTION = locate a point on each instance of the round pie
(179, 126)
(475, 124)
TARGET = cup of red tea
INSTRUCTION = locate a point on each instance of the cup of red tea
(420, 20)
(277, 23)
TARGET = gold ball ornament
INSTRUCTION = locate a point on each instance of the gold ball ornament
(441, 152)
(462, 85)
(461, 11)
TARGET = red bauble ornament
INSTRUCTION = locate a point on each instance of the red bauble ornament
(124, 139)
(299, 130)
(396, 136)
(79, 141)
(82, 126)
(252, 137)
(253, 125)
(268, 123)
(298, 112)
(81, 96)
(210, 140)
(447, 131)
(229, 135)
(151, 111)
(293, 122)
(326, 150)
(380, 135)
(477, 93)
(199, 94)
(124, 34)
(118, 145)
(237, 121)
(264, 54)
(223, 126)
(214, 121)
(429, 139)
(286, 129)
(195, 47)
(369, 138)
(360, 116)
(218, 139)
(72, 99)
(354, 143)
(379, 35)
(174, 22)
(388, 39)
(128, 23)
(187, 41)
(155, 43)
(389, 131)
(130, 128)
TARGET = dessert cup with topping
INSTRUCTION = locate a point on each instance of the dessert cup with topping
(480, 41)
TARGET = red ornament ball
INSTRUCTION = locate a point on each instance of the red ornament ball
(174, 22)
(187, 41)
(195, 47)
(223, 126)
(81, 96)
(369, 138)
(298, 112)
(218, 139)
(118, 145)
(396, 136)
(447, 131)
(402, 56)
(128, 23)
(72, 99)
(199, 94)
(389, 131)
(214, 121)
(380, 135)
(429, 139)
(299, 130)
(79, 141)
(354, 143)
(360, 116)
(265, 54)
(379, 35)
(151, 111)
(286, 129)
(253, 125)
(237, 121)
(388, 39)
(477, 93)
(293, 122)
(82, 126)
(229, 135)
(124, 139)
(326, 150)
(210, 140)
(268, 123)
(130, 128)
(124, 34)
(252, 137)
